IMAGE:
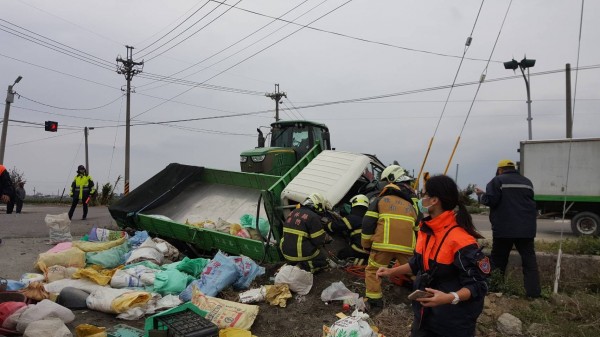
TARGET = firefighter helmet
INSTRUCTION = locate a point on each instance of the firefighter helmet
(318, 202)
(392, 173)
(359, 200)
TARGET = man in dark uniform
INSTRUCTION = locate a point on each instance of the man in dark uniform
(350, 226)
(513, 216)
(304, 234)
(6, 187)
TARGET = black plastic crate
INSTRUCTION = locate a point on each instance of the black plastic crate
(186, 323)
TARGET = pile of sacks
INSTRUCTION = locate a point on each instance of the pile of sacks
(131, 277)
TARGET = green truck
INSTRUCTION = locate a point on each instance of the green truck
(171, 204)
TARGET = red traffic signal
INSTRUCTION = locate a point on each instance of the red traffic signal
(51, 126)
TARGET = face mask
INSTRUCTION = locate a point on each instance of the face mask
(423, 209)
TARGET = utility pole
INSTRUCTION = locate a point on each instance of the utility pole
(87, 161)
(569, 108)
(277, 97)
(10, 97)
(129, 69)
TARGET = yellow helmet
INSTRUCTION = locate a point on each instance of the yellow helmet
(393, 173)
(506, 163)
(359, 200)
(318, 202)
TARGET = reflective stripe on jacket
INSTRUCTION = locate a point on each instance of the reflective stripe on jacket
(303, 235)
(82, 186)
(389, 223)
(352, 224)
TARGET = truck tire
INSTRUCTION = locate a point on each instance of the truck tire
(585, 223)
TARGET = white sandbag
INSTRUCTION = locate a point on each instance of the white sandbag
(51, 327)
(138, 276)
(101, 299)
(169, 251)
(148, 251)
(59, 227)
(42, 310)
(300, 281)
(82, 284)
(11, 321)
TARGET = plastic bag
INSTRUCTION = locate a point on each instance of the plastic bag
(337, 291)
(40, 311)
(110, 258)
(101, 299)
(351, 326)
(148, 251)
(300, 281)
(129, 300)
(171, 282)
(88, 246)
(96, 274)
(103, 234)
(169, 251)
(31, 277)
(220, 273)
(59, 227)
(138, 238)
(192, 267)
(72, 257)
(54, 273)
(138, 276)
(249, 221)
(248, 270)
(50, 327)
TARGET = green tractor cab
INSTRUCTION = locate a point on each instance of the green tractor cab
(290, 141)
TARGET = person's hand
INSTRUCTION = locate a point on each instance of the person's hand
(438, 298)
(383, 272)
(478, 191)
(5, 198)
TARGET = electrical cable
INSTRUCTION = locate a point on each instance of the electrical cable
(37, 140)
(82, 109)
(466, 48)
(224, 49)
(189, 36)
(60, 72)
(293, 106)
(172, 80)
(247, 58)
(481, 79)
(112, 156)
(169, 32)
(356, 38)
(63, 115)
(566, 185)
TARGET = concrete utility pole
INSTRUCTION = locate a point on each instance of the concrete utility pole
(569, 108)
(10, 97)
(277, 97)
(129, 69)
(87, 161)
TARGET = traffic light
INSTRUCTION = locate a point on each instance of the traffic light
(51, 126)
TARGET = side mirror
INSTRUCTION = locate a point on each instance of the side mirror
(327, 140)
(261, 138)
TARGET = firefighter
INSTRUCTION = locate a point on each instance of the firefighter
(304, 234)
(351, 225)
(81, 188)
(388, 231)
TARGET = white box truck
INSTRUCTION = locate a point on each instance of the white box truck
(547, 162)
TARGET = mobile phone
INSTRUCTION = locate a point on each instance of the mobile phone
(419, 294)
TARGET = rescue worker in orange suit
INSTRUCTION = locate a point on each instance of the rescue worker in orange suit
(6, 186)
(304, 234)
(81, 188)
(388, 231)
(351, 227)
(448, 265)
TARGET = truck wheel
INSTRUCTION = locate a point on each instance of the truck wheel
(585, 223)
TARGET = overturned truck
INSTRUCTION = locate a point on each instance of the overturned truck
(186, 205)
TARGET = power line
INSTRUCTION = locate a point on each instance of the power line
(169, 32)
(81, 109)
(63, 115)
(40, 139)
(168, 79)
(226, 48)
(247, 58)
(354, 37)
(60, 72)
(194, 33)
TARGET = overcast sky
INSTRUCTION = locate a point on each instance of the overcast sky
(326, 64)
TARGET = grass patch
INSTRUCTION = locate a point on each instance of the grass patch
(583, 245)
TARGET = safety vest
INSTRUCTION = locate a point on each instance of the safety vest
(389, 224)
(82, 186)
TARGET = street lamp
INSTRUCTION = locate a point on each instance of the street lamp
(525, 63)
(10, 97)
